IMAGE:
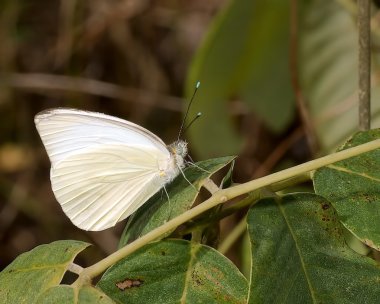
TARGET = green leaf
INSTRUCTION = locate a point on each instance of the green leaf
(35, 271)
(158, 210)
(175, 271)
(353, 187)
(328, 69)
(299, 255)
(66, 294)
(227, 179)
(243, 57)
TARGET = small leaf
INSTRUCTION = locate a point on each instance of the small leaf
(66, 294)
(35, 271)
(175, 271)
(227, 179)
(299, 255)
(353, 187)
(158, 210)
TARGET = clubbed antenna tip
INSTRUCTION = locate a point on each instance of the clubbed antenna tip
(188, 108)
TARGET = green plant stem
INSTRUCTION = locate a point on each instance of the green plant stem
(256, 195)
(217, 198)
(208, 219)
(250, 200)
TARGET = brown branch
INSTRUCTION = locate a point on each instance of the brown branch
(55, 83)
(364, 12)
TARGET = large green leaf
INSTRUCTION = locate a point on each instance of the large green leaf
(175, 271)
(299, 255)
(353, 187)
(244, 56)
(33, 272)
(328, 69)
(182, 194)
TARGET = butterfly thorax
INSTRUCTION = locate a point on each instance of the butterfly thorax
(178, 151)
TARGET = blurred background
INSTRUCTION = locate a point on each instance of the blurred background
(278, 86)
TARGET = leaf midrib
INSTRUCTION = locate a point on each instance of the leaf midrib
(299, 252)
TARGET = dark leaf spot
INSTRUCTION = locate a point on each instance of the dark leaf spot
(325, 206)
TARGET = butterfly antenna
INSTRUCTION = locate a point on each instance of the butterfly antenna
(187, 110)
(199, 114)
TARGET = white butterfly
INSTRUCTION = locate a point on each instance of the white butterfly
(104, 168)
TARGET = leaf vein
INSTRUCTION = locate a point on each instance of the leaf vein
(343, 169)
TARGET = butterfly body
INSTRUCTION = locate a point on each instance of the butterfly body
(104, 168)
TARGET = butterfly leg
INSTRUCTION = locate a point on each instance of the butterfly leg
(184, 176)
(196, 166)
(170, 209)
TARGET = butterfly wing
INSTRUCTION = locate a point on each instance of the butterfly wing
(103, 168)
